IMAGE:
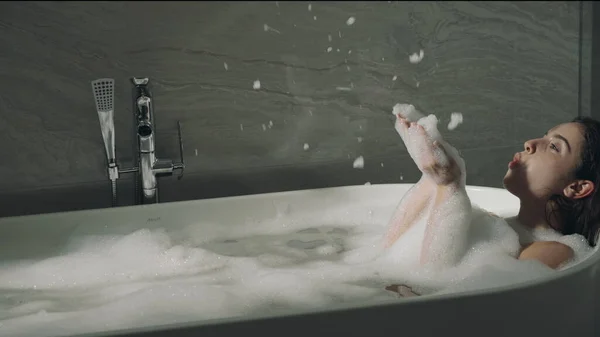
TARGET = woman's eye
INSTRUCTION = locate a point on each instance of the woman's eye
(554, 147)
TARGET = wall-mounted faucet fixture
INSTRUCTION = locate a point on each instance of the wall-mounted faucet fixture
(148, 166)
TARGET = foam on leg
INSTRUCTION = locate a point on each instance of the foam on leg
(446, 235)
(411, 208)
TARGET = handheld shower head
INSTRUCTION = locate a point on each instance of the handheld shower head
(104, 96)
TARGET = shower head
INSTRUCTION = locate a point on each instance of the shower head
(103, 89)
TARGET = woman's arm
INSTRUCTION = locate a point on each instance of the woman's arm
(551, 253)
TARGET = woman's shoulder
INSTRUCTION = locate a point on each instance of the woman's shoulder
(548, 238)
(576, 243)
(551, 253)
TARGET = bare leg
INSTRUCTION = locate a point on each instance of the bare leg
(447, 226)
(410, 210)
(417, 199)
(414, 204)
(441, 189)
(449, 215)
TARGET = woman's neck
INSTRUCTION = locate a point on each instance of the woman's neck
(533, 215)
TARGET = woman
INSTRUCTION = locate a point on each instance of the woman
(556, 179)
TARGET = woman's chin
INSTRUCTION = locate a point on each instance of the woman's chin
(510, 184)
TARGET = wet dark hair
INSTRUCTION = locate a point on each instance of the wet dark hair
(582, 216)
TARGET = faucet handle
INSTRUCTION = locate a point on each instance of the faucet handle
(140, 81)
(181, 165)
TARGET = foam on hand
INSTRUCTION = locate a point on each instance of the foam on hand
(429, 123)
(407, 111)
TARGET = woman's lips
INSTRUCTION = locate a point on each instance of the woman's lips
(515, 161)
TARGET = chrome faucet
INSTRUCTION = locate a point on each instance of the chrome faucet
(149, 166)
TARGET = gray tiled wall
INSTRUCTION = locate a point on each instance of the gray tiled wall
(511, 69)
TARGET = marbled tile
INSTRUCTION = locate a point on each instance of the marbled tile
(511, 68)
(586, 35)
(485, 167)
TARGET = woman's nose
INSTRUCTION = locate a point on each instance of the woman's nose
(529, 146)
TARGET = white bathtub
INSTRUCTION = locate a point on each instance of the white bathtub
(561, 305)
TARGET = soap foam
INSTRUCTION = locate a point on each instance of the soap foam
(456, 118)
(415, 58)
(359, 162)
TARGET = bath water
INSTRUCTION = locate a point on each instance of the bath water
(298, 260)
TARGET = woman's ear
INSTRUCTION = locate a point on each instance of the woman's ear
(579, 189)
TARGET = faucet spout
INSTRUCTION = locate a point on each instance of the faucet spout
(149, 165)
(144, 107)
(145, 135)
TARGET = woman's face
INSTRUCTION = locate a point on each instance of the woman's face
(546, 165)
